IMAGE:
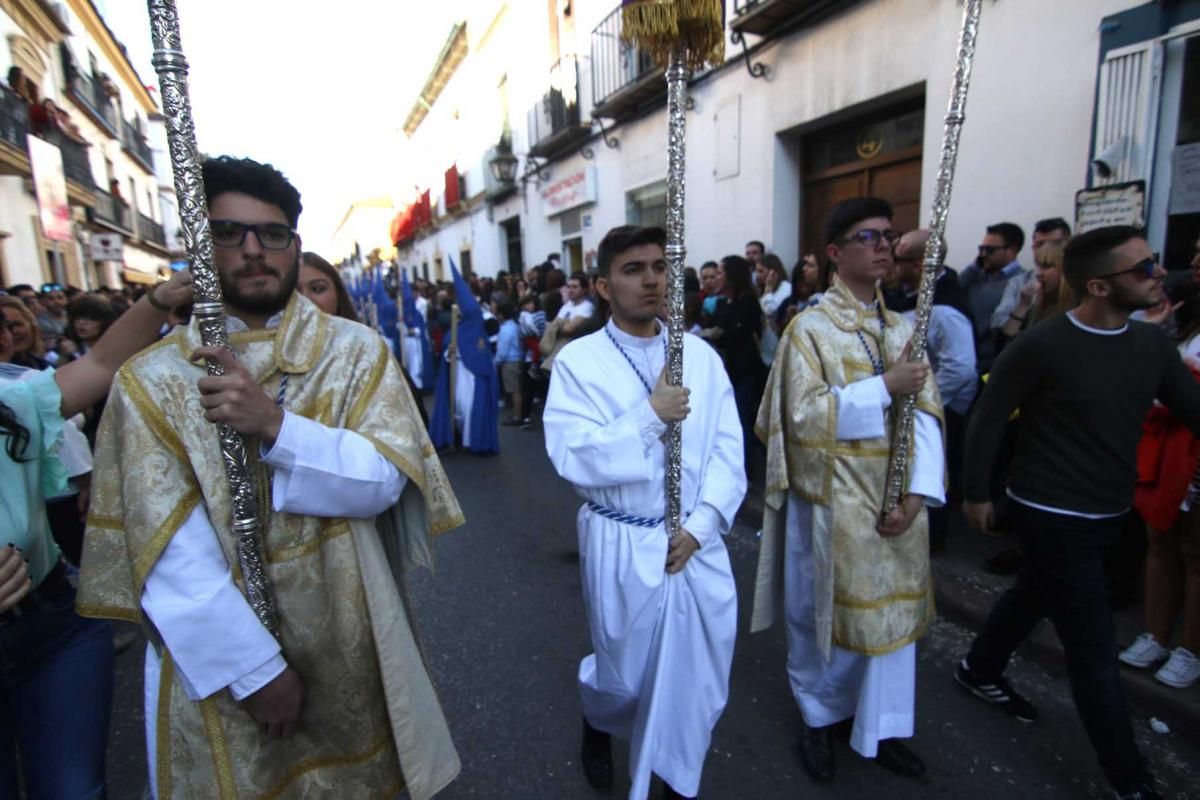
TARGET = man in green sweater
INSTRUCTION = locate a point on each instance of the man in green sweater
(1083, 383)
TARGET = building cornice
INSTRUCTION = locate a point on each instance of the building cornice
(37, 20)
(452, 55)
(99, 32)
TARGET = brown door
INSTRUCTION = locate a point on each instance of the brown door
(900, 185)
(898, 182)
(819, 198)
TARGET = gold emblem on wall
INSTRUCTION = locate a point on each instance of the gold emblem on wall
(869, 144)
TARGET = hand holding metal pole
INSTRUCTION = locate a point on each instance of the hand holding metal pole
(208, 307)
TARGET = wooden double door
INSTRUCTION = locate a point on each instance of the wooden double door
(896, 177)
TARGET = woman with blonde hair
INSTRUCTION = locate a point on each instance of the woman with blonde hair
(1044, 295)
(27, 348)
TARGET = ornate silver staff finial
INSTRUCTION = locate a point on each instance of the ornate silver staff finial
(209, 309)
(935, 250)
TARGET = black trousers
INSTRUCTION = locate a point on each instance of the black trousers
(1063, 579)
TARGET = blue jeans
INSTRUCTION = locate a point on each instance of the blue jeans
(56, 684)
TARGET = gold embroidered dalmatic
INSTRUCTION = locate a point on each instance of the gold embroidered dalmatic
(873, 595)
(372, 724)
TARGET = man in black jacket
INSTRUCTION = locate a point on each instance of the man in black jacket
(1083, 382)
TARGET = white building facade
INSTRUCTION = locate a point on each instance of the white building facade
(825, 100)
(69, 57)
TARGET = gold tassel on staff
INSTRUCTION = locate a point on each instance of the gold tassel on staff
(935, 251)
(681, 35)
(208, 307)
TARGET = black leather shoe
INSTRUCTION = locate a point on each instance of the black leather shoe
(896, 757)
(596, 757)
(816, 752)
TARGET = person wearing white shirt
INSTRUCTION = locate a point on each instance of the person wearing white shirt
(662, 610)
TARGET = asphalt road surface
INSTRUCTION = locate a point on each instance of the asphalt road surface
(503, 628)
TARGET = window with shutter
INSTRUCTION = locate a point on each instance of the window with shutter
(1127, 113)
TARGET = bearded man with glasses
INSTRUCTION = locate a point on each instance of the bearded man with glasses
(345, 480)
(1084, 382)
(855, 591)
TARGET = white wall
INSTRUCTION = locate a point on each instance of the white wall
(1023, 151)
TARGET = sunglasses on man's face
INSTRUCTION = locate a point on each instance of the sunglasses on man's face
(1144, 269)
(988, 249)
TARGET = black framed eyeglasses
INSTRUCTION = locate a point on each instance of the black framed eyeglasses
(1144, 269)
(47, 288)
(271, 235)
(871, 237)
(988, 249)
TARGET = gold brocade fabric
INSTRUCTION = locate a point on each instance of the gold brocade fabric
(873, 595)
(371, 724)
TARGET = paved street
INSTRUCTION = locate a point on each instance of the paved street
(503, 627)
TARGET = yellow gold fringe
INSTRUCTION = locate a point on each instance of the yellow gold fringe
(695, 26)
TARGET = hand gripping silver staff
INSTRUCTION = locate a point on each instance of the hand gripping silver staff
(935, 251)
(208, 307)
(681, 35)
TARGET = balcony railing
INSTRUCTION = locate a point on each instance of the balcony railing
(554, 121)
(88, 92)
(136, 145)
(623, 76)
(15, 126)
(151, 231)
(769, 17)
(111, 211)
(77, 167)
(14, 119)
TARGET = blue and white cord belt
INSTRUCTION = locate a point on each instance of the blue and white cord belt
(628, 519)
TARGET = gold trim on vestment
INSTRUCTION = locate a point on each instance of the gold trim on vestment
(329, 531)
(359, 409)
(920, 631)
(108, 612)
(418, 477)
(153, 414)
(316, 345)
(108, 523)
(146, 560)
(882, 602)
(222, 763)
(324, 762)
(162, 727)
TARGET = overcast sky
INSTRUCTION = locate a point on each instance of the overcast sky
(320, 88)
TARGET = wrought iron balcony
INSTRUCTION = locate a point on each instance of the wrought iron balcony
(76, 165)
(624, 77)
(554, 121)
(769, 17)
(15, 127)
(14, 120)
(135, 144)
(112, 212)
(90, 96)
(150, 231)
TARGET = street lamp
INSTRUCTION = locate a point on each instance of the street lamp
(503, 166)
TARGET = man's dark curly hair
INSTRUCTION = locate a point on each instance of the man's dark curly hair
(247, 176)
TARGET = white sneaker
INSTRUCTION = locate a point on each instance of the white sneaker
(1181, 670)
(1143, 652)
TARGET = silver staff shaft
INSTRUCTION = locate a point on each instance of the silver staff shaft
(677, 80)
(935, 251)
(208, 308)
